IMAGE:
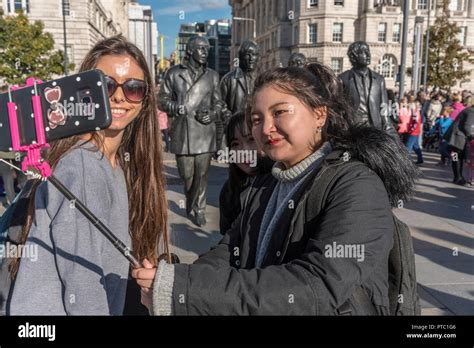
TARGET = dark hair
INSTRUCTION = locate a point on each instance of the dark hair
(237, 178)
(316, 86)
(356, 47)
(246, 45)
(236, 124)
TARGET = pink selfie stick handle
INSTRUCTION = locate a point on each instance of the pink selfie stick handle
(15, 134)
(40, 135)
(33, 151)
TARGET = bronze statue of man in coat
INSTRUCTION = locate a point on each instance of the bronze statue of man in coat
(191, 97)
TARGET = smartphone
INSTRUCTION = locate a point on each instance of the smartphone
(71, 105)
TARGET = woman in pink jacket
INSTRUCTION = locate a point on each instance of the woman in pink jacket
(457, 106)
(404, 119)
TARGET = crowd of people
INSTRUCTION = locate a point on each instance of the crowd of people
(436, 122)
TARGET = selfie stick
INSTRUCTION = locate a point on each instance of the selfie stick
(33, 159)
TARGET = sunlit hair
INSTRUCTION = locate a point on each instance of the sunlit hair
(140, 156)
(316, 86)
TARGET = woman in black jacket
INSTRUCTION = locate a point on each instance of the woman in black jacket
(458, 137)
(314, 235)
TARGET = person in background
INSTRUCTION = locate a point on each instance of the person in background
(414, 130)
(241, 175)
(465, 94)
(404, 119)
(441, 126)
(424, 102)
(468, 101)
(458, 136)
(457, 106)
(434, 110)
(392, 108)
(163, 121)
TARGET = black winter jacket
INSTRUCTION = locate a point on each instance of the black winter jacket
(460, 131)
(296, 277)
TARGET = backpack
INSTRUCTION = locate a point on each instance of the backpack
(402, 290)
(11, 222)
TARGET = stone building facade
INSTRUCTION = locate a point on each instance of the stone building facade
(323, 30)
(88, 21)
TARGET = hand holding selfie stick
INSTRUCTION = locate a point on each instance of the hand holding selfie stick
(33, 159)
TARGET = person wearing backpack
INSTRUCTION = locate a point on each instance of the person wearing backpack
(316, 235)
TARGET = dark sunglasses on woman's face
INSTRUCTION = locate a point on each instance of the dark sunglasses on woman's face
(134, 90)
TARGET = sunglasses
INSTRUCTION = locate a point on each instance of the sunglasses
(134, 90)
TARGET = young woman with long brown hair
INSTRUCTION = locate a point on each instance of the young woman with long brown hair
(117, 173)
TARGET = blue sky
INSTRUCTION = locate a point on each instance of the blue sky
(166, 14)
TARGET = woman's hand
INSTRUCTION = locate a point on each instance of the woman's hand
(144, 277)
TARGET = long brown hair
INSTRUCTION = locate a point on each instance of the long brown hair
(140, 156)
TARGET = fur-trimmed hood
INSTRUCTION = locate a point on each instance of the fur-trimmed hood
(386, 156)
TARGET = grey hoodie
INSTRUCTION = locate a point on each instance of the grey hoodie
(77, 270)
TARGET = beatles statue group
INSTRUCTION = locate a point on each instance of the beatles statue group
(196, 100)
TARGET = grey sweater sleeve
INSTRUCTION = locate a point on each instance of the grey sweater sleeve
(163, 289)
(77, 271)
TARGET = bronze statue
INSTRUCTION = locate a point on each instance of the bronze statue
(238, 84)
(297, 60)
(366, 89)
(191, 97)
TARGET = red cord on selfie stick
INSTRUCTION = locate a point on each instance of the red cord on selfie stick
(33, 159)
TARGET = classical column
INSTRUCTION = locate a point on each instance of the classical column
(369, 5)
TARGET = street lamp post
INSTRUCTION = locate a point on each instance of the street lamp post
(248, 19)
(417, 59)
(406, 12)
(66, 8)
(427, 47)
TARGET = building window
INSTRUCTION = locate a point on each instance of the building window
(462, 35)
(387, 66)
(338, 2)
(337, 29)
(454, 5)
(313, 3)
(336, 65)
(378, 3)
(18, 5)
(396, 32)
(422, 4)
(382, 32)
(313, 33)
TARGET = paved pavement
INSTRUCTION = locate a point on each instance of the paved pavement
(441, 219)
